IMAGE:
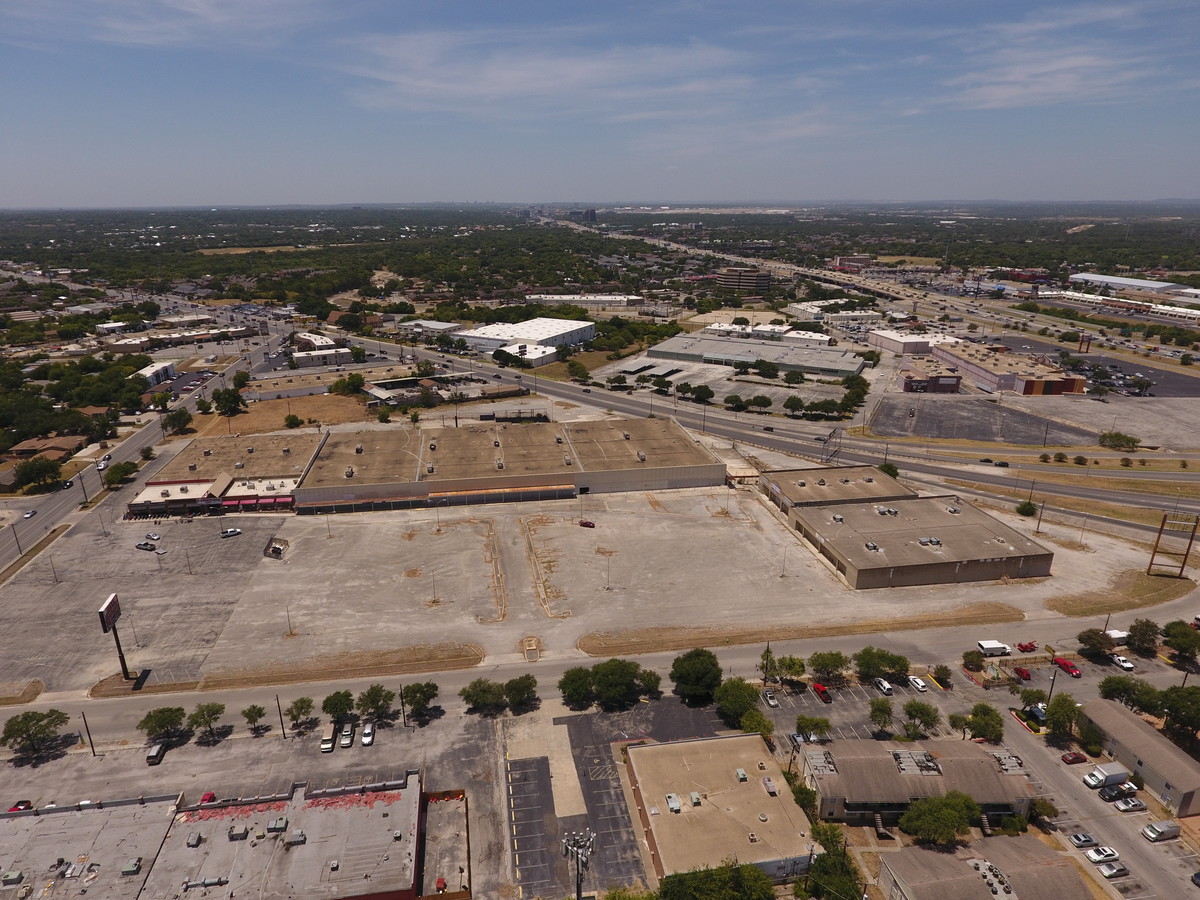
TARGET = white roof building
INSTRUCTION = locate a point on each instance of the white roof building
(545, 331)
(1129, 284)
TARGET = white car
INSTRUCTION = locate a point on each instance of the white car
(1102, 855)
(230, 532)
(153, 536)
(368, 736)
(917, 684)
(1119, 660)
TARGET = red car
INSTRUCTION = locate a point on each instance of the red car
(20, 806)
(584, 523)
(823, 692)
(1021, 673)
(1067, 666)
(1073, 758)
(208, 797)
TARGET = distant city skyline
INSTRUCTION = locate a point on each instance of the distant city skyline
(158, 103)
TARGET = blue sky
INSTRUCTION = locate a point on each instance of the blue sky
(218, 102)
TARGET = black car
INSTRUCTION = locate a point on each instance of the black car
(1117, 792)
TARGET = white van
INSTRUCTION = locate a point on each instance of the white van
(329, 738)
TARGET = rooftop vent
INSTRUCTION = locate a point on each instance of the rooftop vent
(208, 453)
(566, 460)
(183, 489)
(496, 442)
(432, 446)
(249, 449)
(953, 510)
(191, 467)
(871, 545)
(626, 433)
(358, 448)
(839, 518)
(801, 484)
(558, 440)
(499, 464)
(349, 471)
(429, 468)
(845, 481)
(869, 479)
(641, 456)
(239, 465)
(287, 451)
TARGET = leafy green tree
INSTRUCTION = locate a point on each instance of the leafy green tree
(298, 709)
(228, 401)
(1042, 810)
(889, 469)
(32, 731)
(358, 354)
(1143, 637)
(241, 379)
(973, 661)
(177, 420)
(789, 668)
(987, 723)
(146, 453)
(520, 691)
(729, 881)
(735, 401)
(959, 722)
(828, 665)
(872, 662)
(1026, 508)
(292, 421)
(1181, 710)
(649, 681)
(881, 713)
(1183, 639)
(813, 725)
(161, 400)
(615, 683)
(375, 703)
(735, 697)
(794, 405)
(1031, 697)
(39, 470)
(920, 718)
(941, 674)
(1061, 715)
(696, 676)
(577, 687)
(338, 705)
(384, 415)
(1096, 642)
(205, 716)
(940, 820)
(162, 721)
(253, 715)
(754, 722)
(793, 377)
(204, 407)
(418, 697)
(768, 666)
(577, 370)
(484, 695)
(703, 394)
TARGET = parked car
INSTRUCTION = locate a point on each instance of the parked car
(1074, 758)
(1022, 673)
(1130, 804)
(917, 684)
(145, 545)
(882, 686)
(153, 536)
(1112, 792)
(1102, 855)
(1082, 839)
(208, 797)
(769, 697)
(1114, 870)
(20, 806)
(586, 523)
(368, 735)
(1119, 660)
(347, 739)
(230, 532)
(1067, 666)
(823, 692)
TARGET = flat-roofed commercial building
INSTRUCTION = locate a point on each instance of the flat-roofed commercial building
(1169, 773)
(925, 540)
(904, 343)
(501, 462)
(744, 278)
(700, 801)
(822, 486)
(545, 331)
(991, 371)
(1125, 284)
(925, 375)
(863, 782)
(157, 373)
(107, 848)
(725, 351)
(335, 356)
(590, 301)
(307, 340)
(1028, 867)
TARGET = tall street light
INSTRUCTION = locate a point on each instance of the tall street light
(579, 846)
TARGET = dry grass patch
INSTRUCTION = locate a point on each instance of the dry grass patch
(1137, 514)
(1132, 589)
(17, 693)
(652, 640)
(267, 416)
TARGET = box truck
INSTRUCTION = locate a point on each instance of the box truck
(1106, 774)
(1120, 638)
(994, 648)
(1161, 831)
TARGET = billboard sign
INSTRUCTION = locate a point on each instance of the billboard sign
(110, 611)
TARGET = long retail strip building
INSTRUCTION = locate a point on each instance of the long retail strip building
(867, 526)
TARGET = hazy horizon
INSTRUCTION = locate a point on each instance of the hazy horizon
(250, 103)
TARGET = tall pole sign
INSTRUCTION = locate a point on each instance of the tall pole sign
(110, 612)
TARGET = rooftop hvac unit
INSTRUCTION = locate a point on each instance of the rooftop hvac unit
(558, 440)
(349, 471)
(358, 448)
(802, 484)
(429, 468)
(839, 518)
(495, 442)
(953, 510)
(626, 433)
(270, 485)
(566, 460)
(869, 480)
(183, 489)
(641, 456)
(821, 482)
(845, 481)
(164, 493)
(432, 446)
(287, 451)
(191, 467)
(882, 510)
(249, 449)
(871, 545)
(499, 464)
(208, 453)
(239, 465)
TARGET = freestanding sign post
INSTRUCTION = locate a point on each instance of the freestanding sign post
(110, 611)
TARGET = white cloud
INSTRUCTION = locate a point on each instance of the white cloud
(1029, 77)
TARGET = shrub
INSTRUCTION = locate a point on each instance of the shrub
(1045, 457)
(973, 661)
(1060, 456)
(1080, 460)
(1027, 508)
(1126, 462)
